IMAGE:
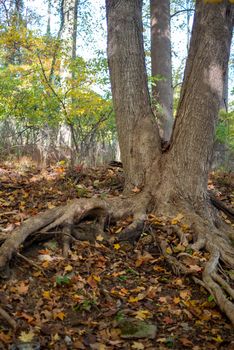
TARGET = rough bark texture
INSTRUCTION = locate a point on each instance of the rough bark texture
(193, 135)
(137, 130)
(161, 64)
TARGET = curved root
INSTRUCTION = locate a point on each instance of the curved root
(208, 277)
(218, 244)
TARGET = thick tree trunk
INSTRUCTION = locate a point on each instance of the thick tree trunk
(161, 65)
(137, 130)
(202, 90)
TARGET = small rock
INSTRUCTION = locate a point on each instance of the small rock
(133, 329)
(68, 340)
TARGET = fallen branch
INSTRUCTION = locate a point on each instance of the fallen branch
(8, 318)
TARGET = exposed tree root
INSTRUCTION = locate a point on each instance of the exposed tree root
(221, 206)
(69, 220)
(218, 245)
(85, 219)
(7, 318)
(63, 216)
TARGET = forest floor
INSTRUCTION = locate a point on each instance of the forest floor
(99, 295)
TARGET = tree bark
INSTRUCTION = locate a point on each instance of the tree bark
(136, 126)
(161, 65)
(202, 90)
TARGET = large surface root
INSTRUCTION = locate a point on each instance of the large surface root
(64, 217)
(217, 253)
(84, 219)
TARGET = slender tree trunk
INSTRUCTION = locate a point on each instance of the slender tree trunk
(224, 101)
(161, 65)
(137, 130)
(48, 30)
(69, 32)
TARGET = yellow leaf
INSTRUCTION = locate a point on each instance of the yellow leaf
(143, 314)
(184, 294)
(179, 248)
(68, 268)
(26, 337)
(46, 294)
(56, 337)
(45, 264)
(185, 227)
(59, 315)
(117, 246)
(50, 205)
(176, 300)
(177, 219)
(138, 346)
(218, 339)
(133, 300)
(100, 238)
(96, 278)
(169, 251)
(37, 273)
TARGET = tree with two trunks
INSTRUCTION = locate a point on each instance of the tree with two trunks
(160, 180)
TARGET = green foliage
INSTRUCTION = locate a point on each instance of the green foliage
(40, 85)
(225, 128)
(62, 280)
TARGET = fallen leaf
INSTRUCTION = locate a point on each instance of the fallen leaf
(143, 258)
(22, 288)
(60, 315)
(136, 190)
(176, 300)
(177, 219)
(26, 337)
(133, 299)
(68, 268)
(143, 314)
(218, 339)
(92, 282)
(185, 294)
(46, 294)
(138, 346)
(99, 238)
(168, 320)
(185, 342)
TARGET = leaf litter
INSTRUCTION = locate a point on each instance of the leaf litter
(88, 300)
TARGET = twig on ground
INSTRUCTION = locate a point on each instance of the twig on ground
(30, 262)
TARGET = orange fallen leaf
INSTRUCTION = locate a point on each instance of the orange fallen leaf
(60, 315)
(22, 288)
(91, 281)
(46, 294)
(176, 300)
